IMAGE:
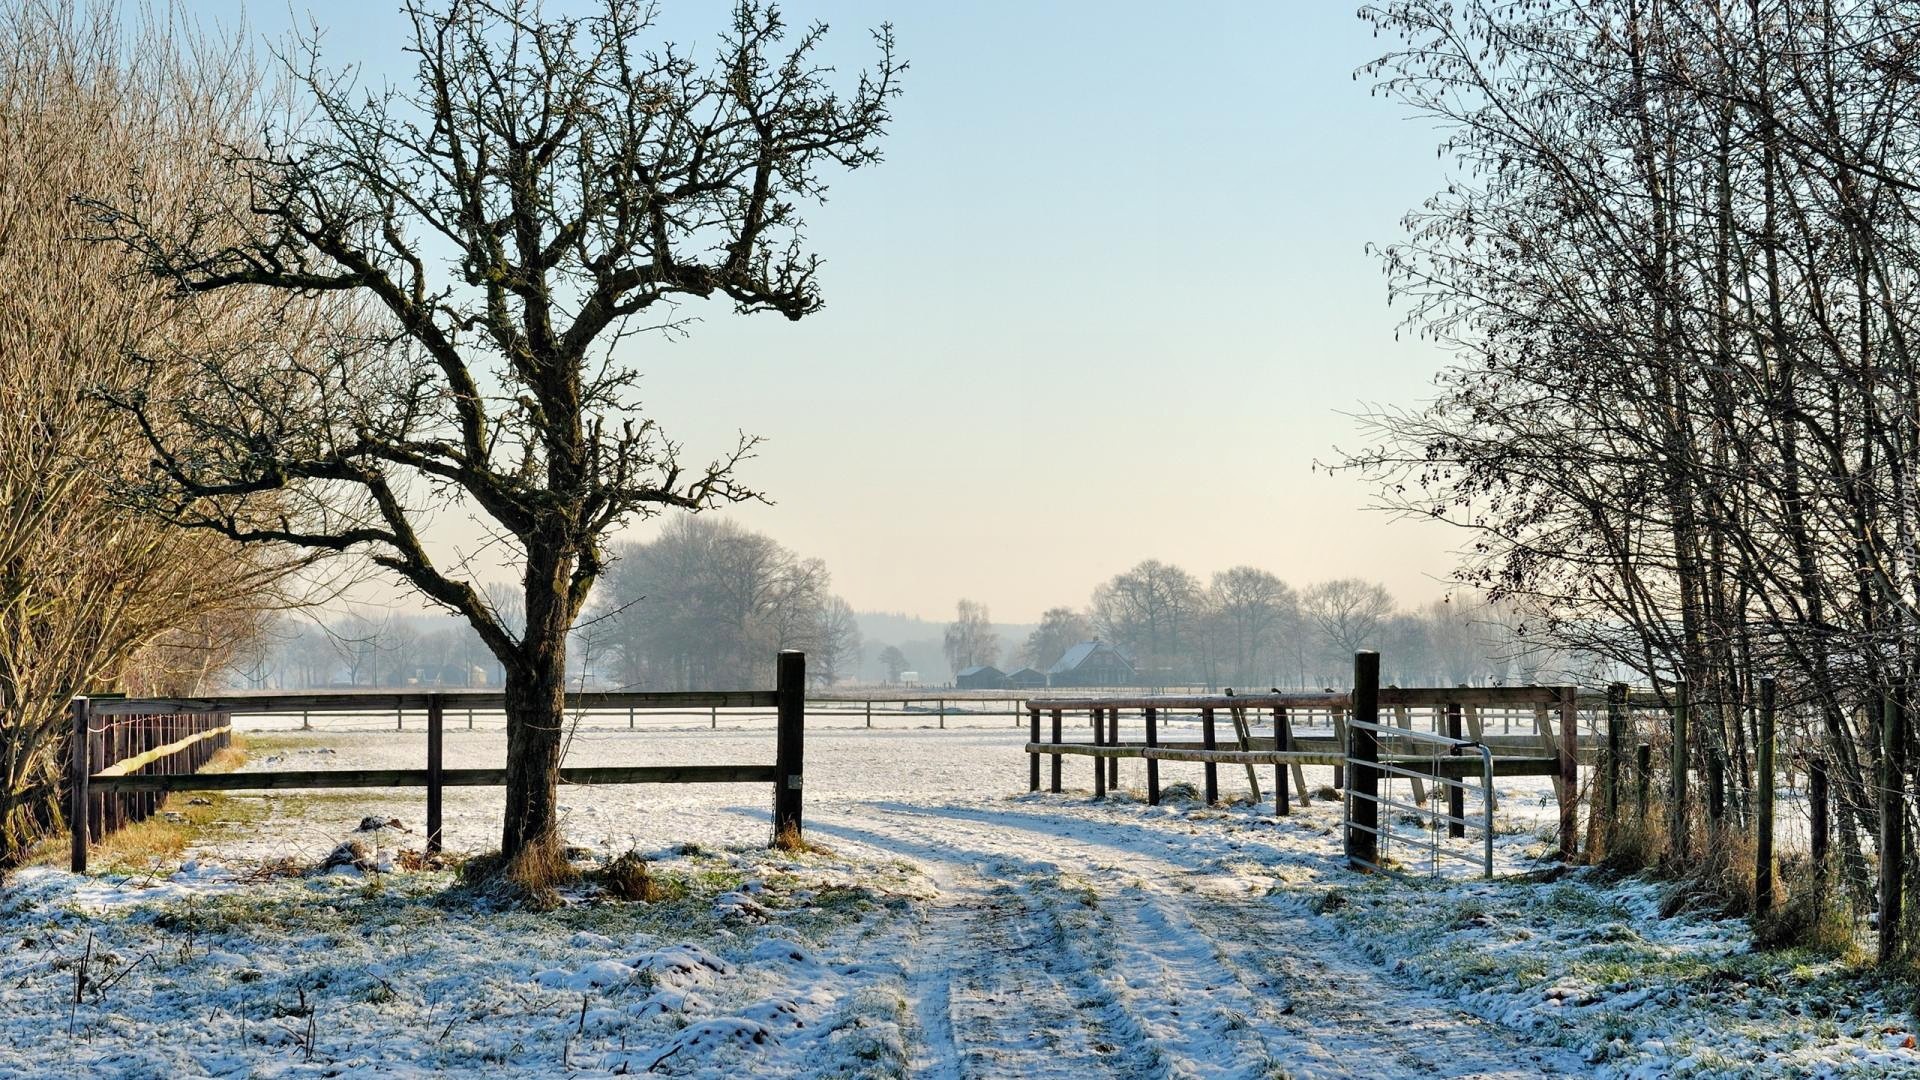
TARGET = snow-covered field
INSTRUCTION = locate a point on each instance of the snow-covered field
(957, 927)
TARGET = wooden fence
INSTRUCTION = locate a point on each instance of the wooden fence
(1553, 749)
(175, 742)
(785, 773)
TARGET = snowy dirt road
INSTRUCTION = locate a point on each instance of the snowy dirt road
(1069, 936)
(1135, 944)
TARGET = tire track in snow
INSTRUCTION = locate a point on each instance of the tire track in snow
(1197, 977)
(995, 992)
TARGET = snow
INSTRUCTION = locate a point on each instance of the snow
(958, 927)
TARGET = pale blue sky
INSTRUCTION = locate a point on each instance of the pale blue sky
(1104, 301)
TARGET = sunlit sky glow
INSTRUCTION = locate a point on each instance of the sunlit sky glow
(1108, 298)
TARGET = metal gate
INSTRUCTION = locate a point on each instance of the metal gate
(1412, 833)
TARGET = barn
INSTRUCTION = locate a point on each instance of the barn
(981, 677)
(1093, 663)
(1026, 678)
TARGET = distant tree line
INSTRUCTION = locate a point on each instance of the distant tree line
(1246, 627)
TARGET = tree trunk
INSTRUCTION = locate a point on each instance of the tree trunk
(536, 685)
(536, 703)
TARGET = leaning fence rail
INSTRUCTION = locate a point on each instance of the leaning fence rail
(117, 778)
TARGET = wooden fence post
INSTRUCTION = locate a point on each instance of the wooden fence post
(1153, 767)
(1363, 816)
(1113, 739)
(1569, 772)
(790, 688)
(1033, 760)
(1677, 780)
(436, 718)
(1337, 717)
(1616, 751)
(1763, 816)
(1893, 737)
(81, 767)
(1210, 742)
(1643, 763)
(1282, 741)
(1456, 786)
(1054, 766)
(1099, 767)
(1817, 808)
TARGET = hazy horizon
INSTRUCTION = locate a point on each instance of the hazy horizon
(1076, 215)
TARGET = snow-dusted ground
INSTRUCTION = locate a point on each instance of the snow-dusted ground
(960, 927)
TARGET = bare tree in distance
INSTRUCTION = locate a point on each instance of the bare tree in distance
(1060, 629)
(970, 640)
(584, 179)
(1347, 612)
(1153, 608)
(836, 643)
(895, 662)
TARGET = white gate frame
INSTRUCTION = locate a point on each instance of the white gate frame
(1395, 765)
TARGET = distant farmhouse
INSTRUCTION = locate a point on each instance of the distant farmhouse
(1026, 678)
(1093, 663)
(981, 677)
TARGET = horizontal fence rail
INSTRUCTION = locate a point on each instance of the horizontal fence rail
(100, 778)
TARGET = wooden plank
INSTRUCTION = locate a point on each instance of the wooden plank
(258, 704)
(1404, 720)
(402, 778)
(1242, 737)
(1192, 702)
(140, 761)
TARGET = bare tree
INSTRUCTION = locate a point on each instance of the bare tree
(92, 597)
(970, 640)
(1251, 612)
(1060, 629)
(1347, 613)
(836, 644)
(895, 662)
(1154, 609)
(583, 180)
(708, 603)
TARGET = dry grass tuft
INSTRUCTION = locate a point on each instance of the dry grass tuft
(790, 839)
(531, 880)
(629, 878)
(1815, 914)
(1718, 877)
